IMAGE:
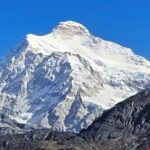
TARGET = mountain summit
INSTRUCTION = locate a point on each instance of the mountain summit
(67, 78)
(70, 27)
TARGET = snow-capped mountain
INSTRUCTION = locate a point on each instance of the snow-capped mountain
(65, 79)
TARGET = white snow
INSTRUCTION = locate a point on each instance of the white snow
(65, 79)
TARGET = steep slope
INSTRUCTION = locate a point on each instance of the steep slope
(130, 118)
(64, 80)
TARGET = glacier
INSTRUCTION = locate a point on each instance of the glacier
(67, 78)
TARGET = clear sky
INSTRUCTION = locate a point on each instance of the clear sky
(126, 22)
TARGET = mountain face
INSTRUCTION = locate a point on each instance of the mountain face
(66, 79)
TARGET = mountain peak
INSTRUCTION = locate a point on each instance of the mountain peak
(71, 27)
(44, 74)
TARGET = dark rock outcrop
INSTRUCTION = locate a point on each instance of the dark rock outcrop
(128, 118)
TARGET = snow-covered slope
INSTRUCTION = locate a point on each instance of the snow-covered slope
(65, 79)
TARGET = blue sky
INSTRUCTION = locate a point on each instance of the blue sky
(126, 22)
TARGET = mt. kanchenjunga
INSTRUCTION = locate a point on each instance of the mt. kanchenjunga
(65, 79)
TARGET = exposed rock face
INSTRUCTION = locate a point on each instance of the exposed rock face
(128, 118)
